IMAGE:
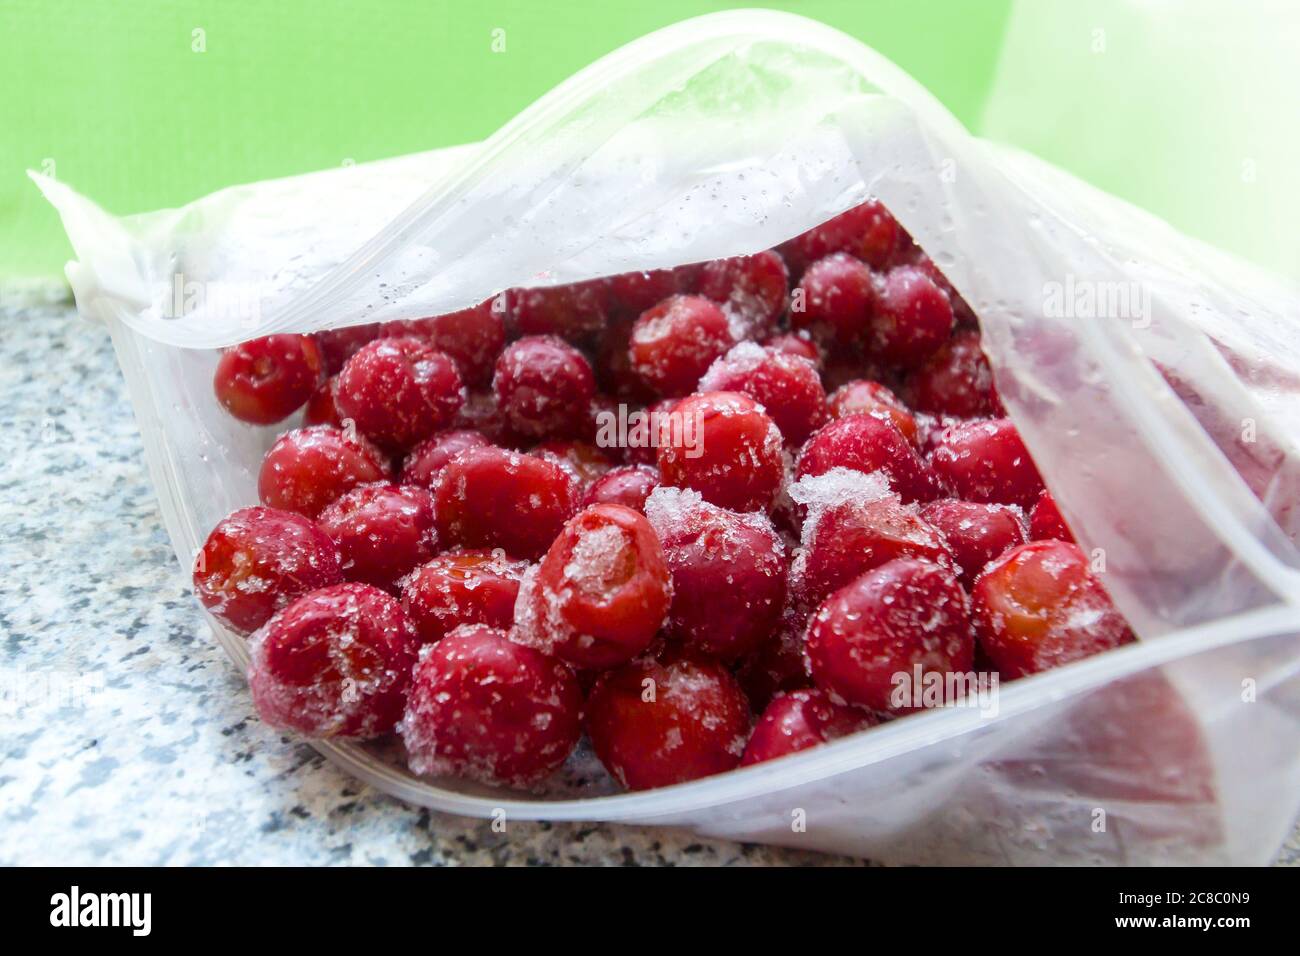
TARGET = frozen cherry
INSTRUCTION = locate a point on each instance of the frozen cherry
(881, 237)
(976, 532)
(338, 345)
(575, 312)
(674, 343)
(308, 468)
(788, 388)
(321, 408)
(424, 462)
(871, 638)
(382, 531)
(653, 723)
(986, 461)
(835, 300)
(865, 443)
(1039, 606)
(1045, 521)
(799, 720)
(544, 386)
(266, 380)
(485, 708)
(462, 587)
(956, 380)
(751, 290)
(601, 592)
(258, 560)
(865, 397)
(586, 463)
(399, 391)
(334, 663)
(493, 498)
(631, 293)
(472, 337)
(854, 524)
(867, 231)
(629, 485)
(798, 344)
(913, 317)
(728, 573)
(734, 456)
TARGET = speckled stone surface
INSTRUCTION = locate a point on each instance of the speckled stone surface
(126, 736)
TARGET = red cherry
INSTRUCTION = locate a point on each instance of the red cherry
(986, 461)
(835, 300)
(462, 587)
(1039, 606)
(868, 231)
(266, 380)
(493, 498)
(799, 720)
(728, 573)
(798, 344)
(865, 443)
(778, 664)
(382, 531)
(864, 397)
(735, 460)
(485, 708)
(321, 408)
(544, 387)
(1045, 520)
(631, 293)
(586, 463)
(787, 387)
(913, 318)
(338, 345)
(976, 533)
(308, 468)
(574, 312)
(629, 486)
(600, 593)
(334, 663)
(875, 633)
(424, 463)
(955, 380)
(853, 526)
(653, 724)
(258, 560)
(399, 391)
(674, 343)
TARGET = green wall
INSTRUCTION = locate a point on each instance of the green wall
(112, 98)
(1189, 108)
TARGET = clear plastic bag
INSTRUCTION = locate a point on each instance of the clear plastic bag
(727, 135)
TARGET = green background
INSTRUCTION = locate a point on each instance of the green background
(113, 97)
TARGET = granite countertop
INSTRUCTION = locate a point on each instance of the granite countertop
(127, 736)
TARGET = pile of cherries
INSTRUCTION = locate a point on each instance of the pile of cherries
(444, 549)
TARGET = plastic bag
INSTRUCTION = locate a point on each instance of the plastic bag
(729, 134)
